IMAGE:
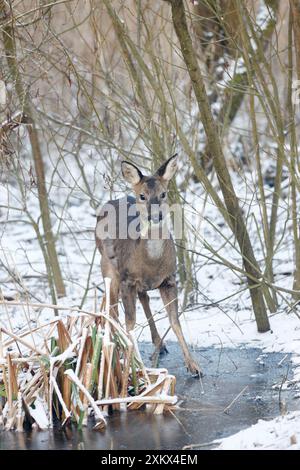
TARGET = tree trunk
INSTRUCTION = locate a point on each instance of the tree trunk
(293, 27)
(295, 7)
(227, 18)
(10, 52)
(237, 223)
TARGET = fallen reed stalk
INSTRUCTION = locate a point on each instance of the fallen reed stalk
(72, 366)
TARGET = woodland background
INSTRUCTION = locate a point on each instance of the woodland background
(87, 83)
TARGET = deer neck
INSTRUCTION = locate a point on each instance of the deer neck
(155, 248)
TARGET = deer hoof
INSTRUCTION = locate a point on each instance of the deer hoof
(194, 368)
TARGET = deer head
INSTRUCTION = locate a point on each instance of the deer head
(151, 191)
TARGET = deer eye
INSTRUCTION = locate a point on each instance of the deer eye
(142, 197)
(163, 195)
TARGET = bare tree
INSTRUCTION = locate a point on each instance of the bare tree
(49, 250)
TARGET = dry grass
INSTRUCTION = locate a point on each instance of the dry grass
(75, 365)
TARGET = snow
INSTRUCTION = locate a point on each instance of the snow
(264, 15)
(279, 433)
(39, 414)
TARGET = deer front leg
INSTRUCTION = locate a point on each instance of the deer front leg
(128, 295)
(168, 292)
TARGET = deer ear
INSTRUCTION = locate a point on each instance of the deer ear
(168, 169)
(131, 173)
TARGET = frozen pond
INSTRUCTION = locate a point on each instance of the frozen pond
(201, 417)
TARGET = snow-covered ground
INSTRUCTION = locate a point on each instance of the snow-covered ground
(279, 433)
(220, 313)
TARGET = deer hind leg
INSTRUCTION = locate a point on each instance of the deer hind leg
(168, 292)
(156, 339)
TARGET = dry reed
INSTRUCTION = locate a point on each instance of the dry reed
(73, 366)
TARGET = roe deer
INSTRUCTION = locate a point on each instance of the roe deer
(136, 263)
